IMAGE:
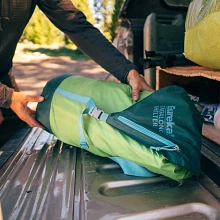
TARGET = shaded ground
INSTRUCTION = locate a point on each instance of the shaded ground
(32, 76)
(33, 72)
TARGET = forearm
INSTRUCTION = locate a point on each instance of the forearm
(87, 38)
(5, 96)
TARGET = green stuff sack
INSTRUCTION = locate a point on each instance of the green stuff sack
(202, 42)
(61, 114)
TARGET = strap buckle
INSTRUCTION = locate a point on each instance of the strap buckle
(95, 112)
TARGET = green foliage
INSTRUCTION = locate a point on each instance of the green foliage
(41, 31)
(83, 6)
(107, 12)
(114, 19)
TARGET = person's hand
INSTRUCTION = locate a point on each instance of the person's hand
(19, 106)
(137, 82)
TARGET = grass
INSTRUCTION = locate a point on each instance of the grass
(48, 50)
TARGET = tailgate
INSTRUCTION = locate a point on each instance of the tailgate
(46, 179)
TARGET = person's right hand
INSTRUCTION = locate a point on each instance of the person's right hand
(19, 103)
(137, 83)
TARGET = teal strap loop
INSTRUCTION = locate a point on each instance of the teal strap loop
(76, 97)
(81, 99)
(83, 143)
(91, 107)
(89, 111)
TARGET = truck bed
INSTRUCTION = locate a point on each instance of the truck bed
(43, 178)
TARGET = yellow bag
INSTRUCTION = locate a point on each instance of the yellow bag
(202, 37)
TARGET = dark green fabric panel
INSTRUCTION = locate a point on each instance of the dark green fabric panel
(43, 108)
(172, 107)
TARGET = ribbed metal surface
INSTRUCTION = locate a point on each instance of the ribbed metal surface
(38, 182)
(45, 179)
(109, 194)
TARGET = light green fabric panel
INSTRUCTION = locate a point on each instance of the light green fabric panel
(104, 140)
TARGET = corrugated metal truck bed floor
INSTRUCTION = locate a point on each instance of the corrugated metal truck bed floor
(46, 179)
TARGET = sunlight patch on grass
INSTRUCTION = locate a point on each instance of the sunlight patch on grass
(28, 52)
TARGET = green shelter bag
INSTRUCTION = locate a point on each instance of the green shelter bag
(168, 122)
(71, 111)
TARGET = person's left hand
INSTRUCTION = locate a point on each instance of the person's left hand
(137, 83)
